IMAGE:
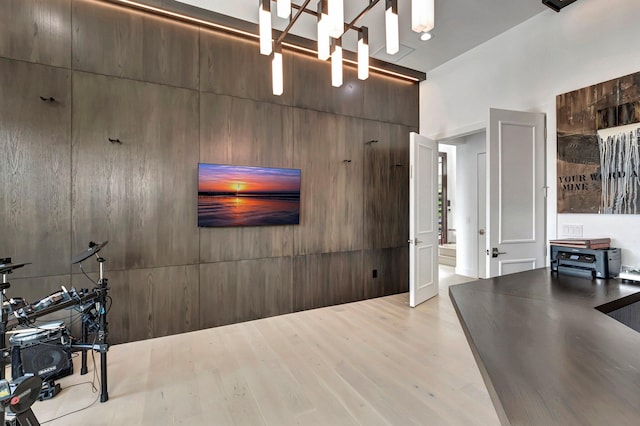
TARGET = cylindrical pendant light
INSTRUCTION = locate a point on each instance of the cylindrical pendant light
(391, 24)
(336, 62)
(422, 15)
(277, 78)
(363, 53)
(283, 8)
(264, 21)
(324, 42)
(336, 17)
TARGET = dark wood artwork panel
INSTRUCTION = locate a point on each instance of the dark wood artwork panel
(139, 193)
(232, 292)
(391, 270)
(313, 89)
(234, 66)
(35, 167)
(386, 185)
(36, 31)
(578, 165)
(329, 150)
(580, 114)
(125, 43)
(392, 100)
(244, 132)
(327, 279)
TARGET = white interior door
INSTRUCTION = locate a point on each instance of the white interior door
(423, 219)
(515, 191)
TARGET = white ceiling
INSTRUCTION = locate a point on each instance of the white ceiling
(460, 25)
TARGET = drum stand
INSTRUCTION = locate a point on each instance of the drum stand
(100, 300)
(102, 346)
(6, 267)
(3, 333)
(98, 297)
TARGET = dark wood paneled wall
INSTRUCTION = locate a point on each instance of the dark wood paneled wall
(174, 95)
(35, 166)
(36, 31)
(111, 40)
(241, 131)
(329, 151)
(135, 193)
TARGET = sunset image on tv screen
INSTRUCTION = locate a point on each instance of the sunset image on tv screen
(247, 196)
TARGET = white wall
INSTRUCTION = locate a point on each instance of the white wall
(525, 68)
(467, 205)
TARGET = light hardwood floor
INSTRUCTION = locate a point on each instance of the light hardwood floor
(376, 362)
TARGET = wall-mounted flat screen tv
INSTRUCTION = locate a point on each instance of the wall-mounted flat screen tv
(247, 196)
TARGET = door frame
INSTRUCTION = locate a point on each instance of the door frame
(469, 243)
(449, 138)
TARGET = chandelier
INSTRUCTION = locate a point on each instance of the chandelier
(331, 28)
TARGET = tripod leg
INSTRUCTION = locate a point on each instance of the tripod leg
(104, 394)
(85, 336)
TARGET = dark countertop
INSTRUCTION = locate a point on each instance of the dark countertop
(547, 356)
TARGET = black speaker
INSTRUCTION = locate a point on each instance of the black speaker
(49, 360)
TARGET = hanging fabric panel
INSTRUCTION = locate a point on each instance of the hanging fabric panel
(619, 166)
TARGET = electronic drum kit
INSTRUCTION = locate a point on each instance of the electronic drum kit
(41, 354)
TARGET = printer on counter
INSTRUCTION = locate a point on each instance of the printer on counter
(587, 263)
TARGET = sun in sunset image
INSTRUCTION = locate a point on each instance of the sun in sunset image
(247, 196)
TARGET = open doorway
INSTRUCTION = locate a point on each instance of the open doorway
(507, 234)
(464, 208)
(446, 204)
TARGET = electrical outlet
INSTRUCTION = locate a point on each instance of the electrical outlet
(577, 230)
(572, 230)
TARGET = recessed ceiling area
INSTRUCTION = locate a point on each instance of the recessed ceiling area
(460, 25)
